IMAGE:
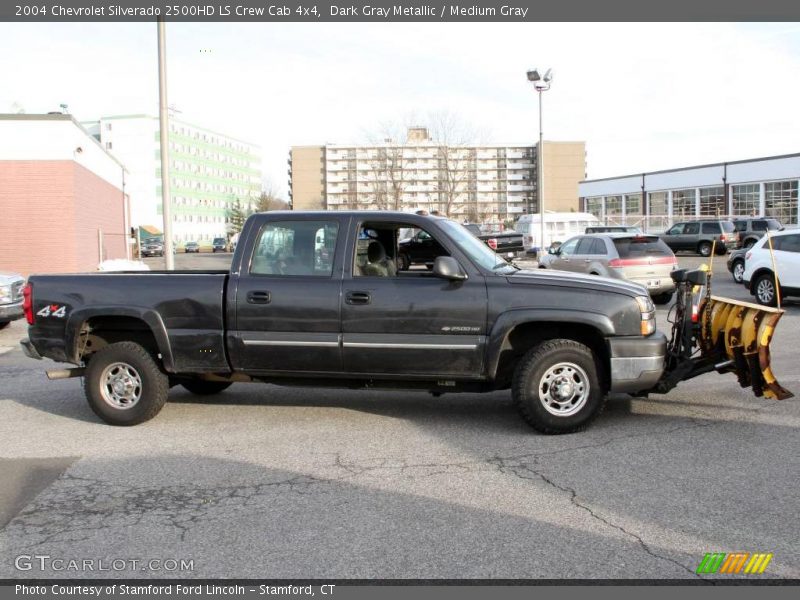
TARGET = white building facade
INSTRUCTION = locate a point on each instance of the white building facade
(209, 173)
(756, 187)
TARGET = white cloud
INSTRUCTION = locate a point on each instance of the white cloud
(643, 96)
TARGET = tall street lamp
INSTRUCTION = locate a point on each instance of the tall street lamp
(541, 83)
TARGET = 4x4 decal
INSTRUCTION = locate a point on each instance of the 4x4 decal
(53, 310)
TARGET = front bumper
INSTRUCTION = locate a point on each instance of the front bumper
(11, 312)
(637, 363)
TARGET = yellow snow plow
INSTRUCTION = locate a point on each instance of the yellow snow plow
(710, 333)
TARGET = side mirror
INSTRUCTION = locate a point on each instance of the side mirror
(554, 251)
(447, 267)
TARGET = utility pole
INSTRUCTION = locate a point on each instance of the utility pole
(163, 125)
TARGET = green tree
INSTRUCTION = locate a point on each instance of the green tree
(237, 214)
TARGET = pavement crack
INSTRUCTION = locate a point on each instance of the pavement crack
(531, 472)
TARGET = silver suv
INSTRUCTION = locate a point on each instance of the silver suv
(643, 259)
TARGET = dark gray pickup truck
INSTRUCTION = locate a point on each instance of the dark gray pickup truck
(316, 299)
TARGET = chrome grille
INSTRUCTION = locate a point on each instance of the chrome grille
(16, 291)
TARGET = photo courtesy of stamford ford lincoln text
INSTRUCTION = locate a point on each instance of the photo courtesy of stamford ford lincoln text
(399, 298)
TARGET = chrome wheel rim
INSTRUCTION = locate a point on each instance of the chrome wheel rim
(121, 385)
(765, 291)
(738, 271)
(564, 389)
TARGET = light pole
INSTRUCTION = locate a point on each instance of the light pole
(541, 83)
(163, 125)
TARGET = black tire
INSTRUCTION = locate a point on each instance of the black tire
(205, 388)
(546, 359)
(704, 248)
(749, 243)
(4, 324)
(720, 250)
(764, 290)
(737, 271)
(664, 298)
(403, 262)
(106, 403)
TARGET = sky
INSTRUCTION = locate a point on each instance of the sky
(643, 96)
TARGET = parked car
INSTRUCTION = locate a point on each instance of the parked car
(736, 260)
(11, 285)
(752, 230)
(152, 248)
(191, 247)
(559, 341)
(612, 229)
(642, 259)
(219, 244)
(759, 274)
(701, 236)
(507, 244)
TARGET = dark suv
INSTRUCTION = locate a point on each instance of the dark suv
(219, 244)
(701, 237)
(752, 230)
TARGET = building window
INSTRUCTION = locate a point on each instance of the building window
(780, 201)
(658, 203)
(595, 206)
(613, 205)
(746, 200)
(683, 203)
(712, 202)
(633, 204)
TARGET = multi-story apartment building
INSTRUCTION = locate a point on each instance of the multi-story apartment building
(476, 182)
(209, 173)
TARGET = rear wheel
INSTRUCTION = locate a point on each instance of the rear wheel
(205, 388)
(124, 385)
(738, 271)
(557, 387)
(704, 248)
(766, 293)
(664, 298)
(403, 262)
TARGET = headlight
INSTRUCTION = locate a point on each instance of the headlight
(648, 312)
(5, 294)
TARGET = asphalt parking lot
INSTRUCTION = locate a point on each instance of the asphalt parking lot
(272, 482)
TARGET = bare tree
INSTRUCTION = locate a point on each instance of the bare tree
(270, 200)
(456, 159)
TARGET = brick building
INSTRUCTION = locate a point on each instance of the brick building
(62, 202)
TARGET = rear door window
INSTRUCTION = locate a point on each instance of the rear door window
(585, 246)
(713, 228)
(788, 243)
(599, 247)
(640, 247)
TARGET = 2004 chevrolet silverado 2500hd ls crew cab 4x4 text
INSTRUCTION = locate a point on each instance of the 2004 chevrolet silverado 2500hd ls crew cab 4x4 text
(316, 299)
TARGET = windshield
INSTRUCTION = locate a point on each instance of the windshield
(479, 252)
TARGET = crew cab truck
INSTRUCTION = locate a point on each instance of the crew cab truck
(316, 299)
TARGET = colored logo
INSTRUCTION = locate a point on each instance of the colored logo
(734, 563)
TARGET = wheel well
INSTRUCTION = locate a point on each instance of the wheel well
(756, 274)
(98, 332)
(527, 335)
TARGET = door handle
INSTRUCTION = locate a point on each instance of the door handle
(259, 297)
(357, 298)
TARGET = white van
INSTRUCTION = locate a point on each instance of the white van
(558, 227)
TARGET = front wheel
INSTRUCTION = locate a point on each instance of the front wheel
(124, 385)
(738, 271)
(662, 299)
(557, 387)
(4, 324)
(766, 293)
(205, 388)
